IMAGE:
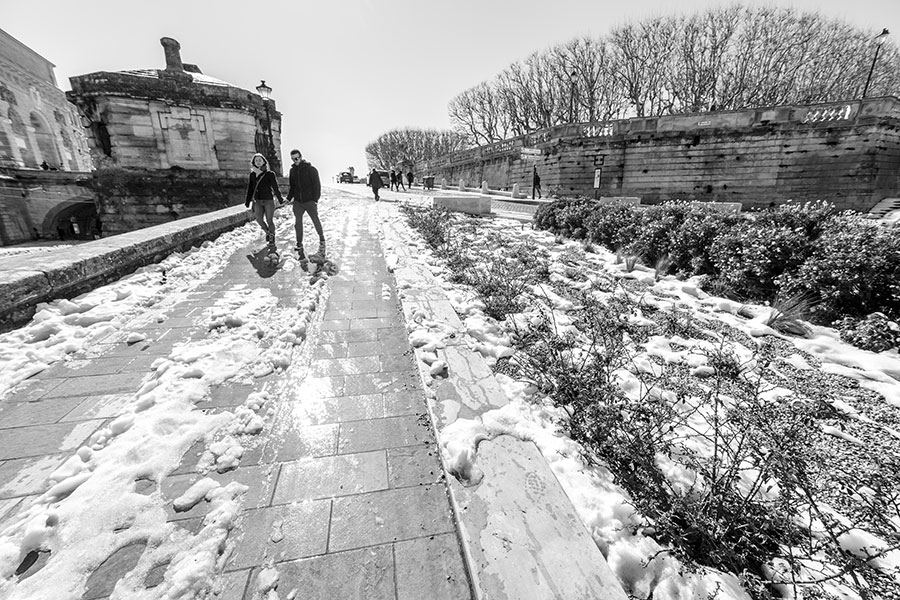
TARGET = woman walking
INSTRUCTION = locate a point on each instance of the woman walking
(262, 189)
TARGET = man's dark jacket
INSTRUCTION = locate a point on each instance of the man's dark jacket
(304, 183)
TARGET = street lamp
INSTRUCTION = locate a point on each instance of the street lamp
(880, 39)
(264, 90)
(269, 145)
(572, 76)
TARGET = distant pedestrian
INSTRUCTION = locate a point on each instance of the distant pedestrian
(409, 179)
(305, 191)
(262, 189)
(535, 184)
(400, 183)
(393, 180)
(376, 183)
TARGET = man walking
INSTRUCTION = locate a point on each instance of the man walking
(376, 183)
(535, 184)
(305, 190)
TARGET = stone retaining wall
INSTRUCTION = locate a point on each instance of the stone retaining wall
(26, 280)
(129, 199)
(846, 153)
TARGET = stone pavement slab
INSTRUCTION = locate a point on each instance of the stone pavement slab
(39, 440)
(332, 476)
(389, 516)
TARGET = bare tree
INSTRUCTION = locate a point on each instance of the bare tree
(644, 51)
(478, 113)
(403, 148)
(723, 58)
(696, 65)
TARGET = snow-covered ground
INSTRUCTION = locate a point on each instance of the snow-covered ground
(102, 498)
(247, 336)
(862, 388)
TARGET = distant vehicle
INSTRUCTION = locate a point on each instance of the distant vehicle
(345, 177)
(385, 178)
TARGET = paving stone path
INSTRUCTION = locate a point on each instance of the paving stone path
(352, 484)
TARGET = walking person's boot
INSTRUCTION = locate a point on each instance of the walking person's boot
(301, 257)
(320, 253)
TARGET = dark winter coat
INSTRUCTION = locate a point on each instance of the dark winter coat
(266, 190)
(304, 183)
(375, 180)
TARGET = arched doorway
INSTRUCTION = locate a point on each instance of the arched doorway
(72, 220)
(44, 137)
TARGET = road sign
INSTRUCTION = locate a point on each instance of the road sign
(530, 153)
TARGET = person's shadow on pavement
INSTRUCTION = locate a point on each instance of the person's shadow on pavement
(264, 267)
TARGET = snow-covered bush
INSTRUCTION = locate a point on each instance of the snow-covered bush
(750, 256)
(876, 332)
(432, 224)
(567, 217)
(854, 270)
(614, 225)
(715, 502)
(690, 243)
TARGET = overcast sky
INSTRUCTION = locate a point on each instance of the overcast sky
(345, 71)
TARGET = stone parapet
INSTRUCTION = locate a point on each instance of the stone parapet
(26, 280)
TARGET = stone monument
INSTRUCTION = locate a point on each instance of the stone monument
(173, 142)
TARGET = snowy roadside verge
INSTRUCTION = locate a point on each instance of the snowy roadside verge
(510, 509)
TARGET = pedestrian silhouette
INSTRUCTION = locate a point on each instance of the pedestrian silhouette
(376, 183)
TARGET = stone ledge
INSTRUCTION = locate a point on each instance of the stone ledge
(28, 280)
(473, 205)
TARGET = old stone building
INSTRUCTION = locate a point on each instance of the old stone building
(175, 117)
(847, 153)
(37, 124)
(171, 143)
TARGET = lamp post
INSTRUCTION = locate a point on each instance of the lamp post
(572, 76)
(880, 39)
(268, 149)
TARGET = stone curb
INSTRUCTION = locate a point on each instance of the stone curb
(28, 280)
(522, 538)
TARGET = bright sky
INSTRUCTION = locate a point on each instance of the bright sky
(345, 71)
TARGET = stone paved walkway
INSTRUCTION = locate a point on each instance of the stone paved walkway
(346, 470)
